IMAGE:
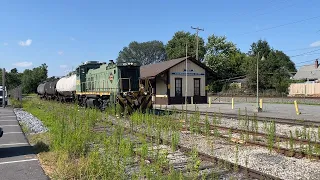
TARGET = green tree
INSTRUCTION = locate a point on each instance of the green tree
(176, 47)
(274, 71)
(13, 79)
(146, 52)
(261, 46)
(32, 78)
(224, 58)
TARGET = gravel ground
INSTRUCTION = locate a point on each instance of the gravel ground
(253, 157)
(179, 160)
(33, 123)
(257, 158)
(281, 129)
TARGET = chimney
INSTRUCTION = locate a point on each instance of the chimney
(316, 64)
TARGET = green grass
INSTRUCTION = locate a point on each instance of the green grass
(72, 150)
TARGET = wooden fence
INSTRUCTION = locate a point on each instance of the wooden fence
(304, 89)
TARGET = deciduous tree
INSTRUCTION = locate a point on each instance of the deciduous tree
(32, 78)
(176, 47)
(274, 71)
(146, 52)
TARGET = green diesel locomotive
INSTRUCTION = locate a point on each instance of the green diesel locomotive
(102, 84)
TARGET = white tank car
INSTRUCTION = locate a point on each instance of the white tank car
(66, 86)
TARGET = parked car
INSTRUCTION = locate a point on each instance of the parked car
(3, 95)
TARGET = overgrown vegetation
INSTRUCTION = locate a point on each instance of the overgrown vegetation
(71, 149)
(89, 144)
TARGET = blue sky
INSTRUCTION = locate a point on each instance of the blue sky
(63, 34)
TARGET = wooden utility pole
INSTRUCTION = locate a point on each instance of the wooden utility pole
(197, 29)
(3, 87)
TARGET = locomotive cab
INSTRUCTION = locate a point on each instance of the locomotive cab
(129, 76)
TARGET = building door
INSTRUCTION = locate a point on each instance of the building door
(178, 87)
(196, 82)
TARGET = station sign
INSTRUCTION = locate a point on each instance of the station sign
(189, 73)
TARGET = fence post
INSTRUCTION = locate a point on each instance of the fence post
(210, 101)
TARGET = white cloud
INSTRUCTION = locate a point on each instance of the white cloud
(25, 43)
(60, 53)
(5, 44)
(22, 64)
(63, 66)
(315, 44)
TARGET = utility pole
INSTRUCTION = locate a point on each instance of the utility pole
(186, 100)
(197, 29)
(3, 87)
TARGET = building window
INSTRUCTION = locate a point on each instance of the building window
(178, 87)
(196, 86)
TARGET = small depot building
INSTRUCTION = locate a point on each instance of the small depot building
(169, 81)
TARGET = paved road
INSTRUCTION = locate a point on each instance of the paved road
(17, 160)
(287, 111)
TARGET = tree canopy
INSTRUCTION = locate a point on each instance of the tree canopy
(146, 52)
(29, 79)
(274, 71)
(176, 47)
(224, 58)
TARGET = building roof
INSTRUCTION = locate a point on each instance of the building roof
(153, 70)
(307, 72)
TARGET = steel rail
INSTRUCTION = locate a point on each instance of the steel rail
(307, 123)
(249, 172)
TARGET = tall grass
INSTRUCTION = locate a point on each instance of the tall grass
(78, 152)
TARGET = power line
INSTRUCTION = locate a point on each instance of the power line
(300, 49)
(281, 25)
(305, 53)
(257, 10)
(306, 61)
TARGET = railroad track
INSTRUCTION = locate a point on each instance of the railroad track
(249, 172)
(281, 150)
(285, 151)
(255, 134)
(292, 122)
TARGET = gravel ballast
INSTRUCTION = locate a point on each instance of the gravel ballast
(257, 158)
(254, 157)
(33, 123)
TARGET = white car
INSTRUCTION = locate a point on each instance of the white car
(3, 96)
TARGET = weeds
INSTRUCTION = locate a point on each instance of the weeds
(271, 135)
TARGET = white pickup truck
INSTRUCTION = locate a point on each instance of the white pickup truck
(3, 95)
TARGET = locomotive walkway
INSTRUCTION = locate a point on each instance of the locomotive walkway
(17, 160)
